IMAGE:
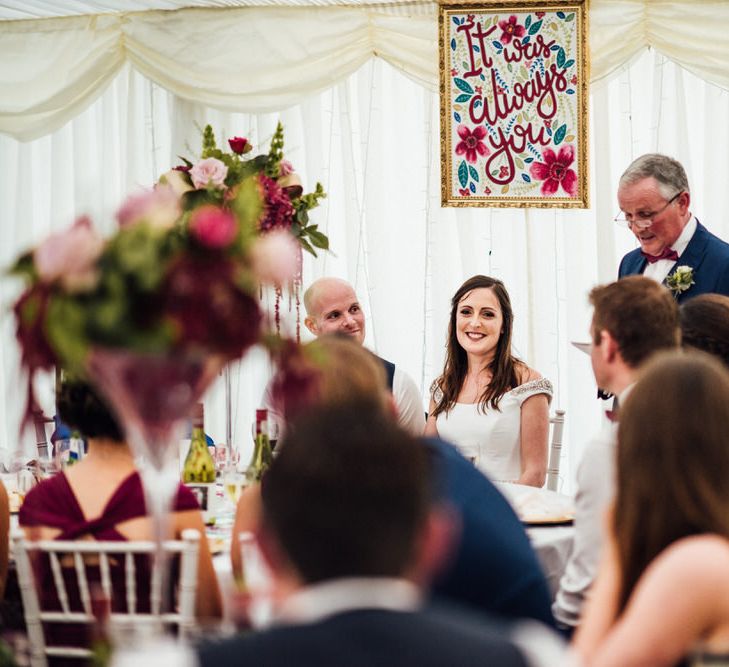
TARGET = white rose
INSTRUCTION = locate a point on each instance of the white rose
(177, 180)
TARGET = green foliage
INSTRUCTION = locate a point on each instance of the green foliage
(463, 85)
(308, 235)
(248, 207)
(275, 154)
(24, 267)
(208, 142)
(463, 174)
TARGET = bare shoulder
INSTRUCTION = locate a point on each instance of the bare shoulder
(249, 509)
(706, 553)
(697, 565)
(525, 374)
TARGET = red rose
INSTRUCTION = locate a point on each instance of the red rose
(239, 145)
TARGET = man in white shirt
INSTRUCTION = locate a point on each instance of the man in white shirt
(332, 307)
(632, 319)
(675, 249)
(351, 538)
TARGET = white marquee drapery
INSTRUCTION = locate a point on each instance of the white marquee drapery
(268, 58)
(369, 131)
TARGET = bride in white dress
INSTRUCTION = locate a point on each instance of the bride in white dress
(489, 404)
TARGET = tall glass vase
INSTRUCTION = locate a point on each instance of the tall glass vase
(152, 395)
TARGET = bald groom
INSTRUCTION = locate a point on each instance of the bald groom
(332, 307)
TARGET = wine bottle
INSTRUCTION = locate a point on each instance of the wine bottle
(198, 472)
(262, 456)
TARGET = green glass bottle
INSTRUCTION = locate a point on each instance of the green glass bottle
(199, 464)
(198, 473)
(262, 456)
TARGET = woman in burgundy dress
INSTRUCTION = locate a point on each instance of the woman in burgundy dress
(101, 498)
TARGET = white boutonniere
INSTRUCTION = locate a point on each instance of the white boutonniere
(680, 280)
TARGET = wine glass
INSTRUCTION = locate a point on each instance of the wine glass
(25, 481)
(274, 430)
(152, 395)
(234, 482)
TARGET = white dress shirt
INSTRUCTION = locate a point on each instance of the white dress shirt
(540, 646)
(595, 492)
(660, 269)
(318, 601)
(409, 401)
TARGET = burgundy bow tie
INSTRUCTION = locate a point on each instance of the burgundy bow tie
(666, 253)
(612, 415)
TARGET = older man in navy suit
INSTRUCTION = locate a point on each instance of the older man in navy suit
(675, 249)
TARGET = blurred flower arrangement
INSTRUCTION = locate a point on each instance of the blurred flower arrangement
(181, 274)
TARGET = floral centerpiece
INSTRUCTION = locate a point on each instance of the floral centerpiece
(153, 313)
(218, 177)
(183, 270)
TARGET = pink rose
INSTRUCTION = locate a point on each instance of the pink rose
(285, 168)
(239, 145)
(209, 171)
(70, 256)
(276, 257)
(213, 227)
(159, 208)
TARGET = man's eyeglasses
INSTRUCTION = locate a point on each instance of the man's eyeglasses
(642, 219)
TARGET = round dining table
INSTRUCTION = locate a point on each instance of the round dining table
(553, 546)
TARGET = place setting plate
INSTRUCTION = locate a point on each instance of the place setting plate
(538, 507)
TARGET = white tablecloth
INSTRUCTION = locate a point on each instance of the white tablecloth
(553, 545)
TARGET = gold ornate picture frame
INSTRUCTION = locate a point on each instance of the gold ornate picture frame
(514, 80)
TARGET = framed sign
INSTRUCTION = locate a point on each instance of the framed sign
(514, 95)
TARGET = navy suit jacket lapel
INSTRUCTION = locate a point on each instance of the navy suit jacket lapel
(695, 250)
(635, 264)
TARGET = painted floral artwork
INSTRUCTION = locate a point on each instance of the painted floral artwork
(514, 111)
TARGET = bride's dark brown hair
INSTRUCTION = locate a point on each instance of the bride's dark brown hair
(672, 460)
(504, 365)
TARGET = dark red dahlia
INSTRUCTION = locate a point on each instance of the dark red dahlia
(202, 299)
(278, 210)
(30, 314)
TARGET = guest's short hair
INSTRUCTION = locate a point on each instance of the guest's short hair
(705, 325)
(640, 314)
(348, 494)
(336, 370)
(80, 407)
(669, 173)
(672, 459)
